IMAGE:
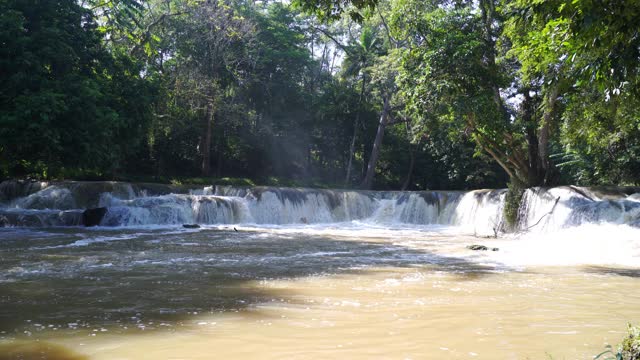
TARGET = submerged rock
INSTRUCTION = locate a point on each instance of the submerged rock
(191, 226)
(481, 248)
(93, 217)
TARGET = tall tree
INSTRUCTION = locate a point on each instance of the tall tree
(208, 59)
(384, 76)
(583, 58)
(360, 56)
(65, 101)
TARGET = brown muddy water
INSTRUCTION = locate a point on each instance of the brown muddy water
(311, 292)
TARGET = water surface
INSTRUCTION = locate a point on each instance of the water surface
(350, 290)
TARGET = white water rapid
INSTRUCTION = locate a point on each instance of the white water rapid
(477, 212)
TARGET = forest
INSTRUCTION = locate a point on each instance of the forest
(372, 94)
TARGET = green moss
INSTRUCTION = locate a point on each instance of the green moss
(512, 202)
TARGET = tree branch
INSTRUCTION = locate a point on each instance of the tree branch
(328, 34)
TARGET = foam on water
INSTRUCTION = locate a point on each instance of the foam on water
(566, 224)
(589, 244)
(353, 229)
(554, 209)
(97, 239)
(280, 206)
(52, 197)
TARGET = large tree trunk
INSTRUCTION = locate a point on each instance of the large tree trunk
(513, 162)
(489, 147)
(545, 132)
(356, 124)
(206, 144)
(377, 144)
(535, 175)
(488, 17)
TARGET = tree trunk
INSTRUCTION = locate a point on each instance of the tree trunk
(485, 145)
(333, 61)
(308, 161)
(352, 148)
(545, 130)
(356, 124)
(488, 17)
(377, 144)
(220, 151)
(412, 164)
(528, 109)
(206, 144)
(412, 157)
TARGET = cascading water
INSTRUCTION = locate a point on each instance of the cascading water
(476, 212)
(175, 209)
(545, 210)
(322, 259)
(480, 212)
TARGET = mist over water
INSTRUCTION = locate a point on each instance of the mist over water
(304, 273)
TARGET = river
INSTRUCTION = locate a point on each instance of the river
(272, 274)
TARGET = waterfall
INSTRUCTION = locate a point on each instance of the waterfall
(480, 212)
(174, 209)
(52, 197)
(475, 212)
(544, 210)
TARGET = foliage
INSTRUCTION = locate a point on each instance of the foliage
(629, 349)
(590, 52)
(630, 346)
(334, 9)
(413, 94)
(603, 138)
(65, 102)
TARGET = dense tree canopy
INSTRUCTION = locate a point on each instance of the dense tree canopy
(64, 97)
(398, 94)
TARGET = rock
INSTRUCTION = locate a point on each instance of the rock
(93, 217)
(481, 248)
(191, 226)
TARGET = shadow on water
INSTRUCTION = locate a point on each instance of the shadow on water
(83, 281)
(604, 270)
(37, 351)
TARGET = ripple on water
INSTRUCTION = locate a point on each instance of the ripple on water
(424, 289)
